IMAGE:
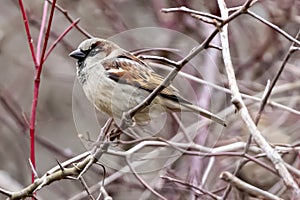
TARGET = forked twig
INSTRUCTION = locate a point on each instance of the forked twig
(68, 17)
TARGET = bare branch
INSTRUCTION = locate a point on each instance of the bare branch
(250, 189)
(86, 188)
(274, 81)
(66, 14)
(213, 196)
(141, 180)
(238, 102)
(190, 11)
(273, 26)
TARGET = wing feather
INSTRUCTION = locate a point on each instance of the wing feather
(128, 69)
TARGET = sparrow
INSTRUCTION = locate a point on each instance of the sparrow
(115, 80)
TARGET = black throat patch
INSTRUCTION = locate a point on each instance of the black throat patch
(82, 76)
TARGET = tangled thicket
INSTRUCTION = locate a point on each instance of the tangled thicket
(242, 63)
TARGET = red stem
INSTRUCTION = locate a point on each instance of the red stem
(36, 92)
(31, 126)
(38, 67)
(39, 70)
(29, 38)
(43, 24)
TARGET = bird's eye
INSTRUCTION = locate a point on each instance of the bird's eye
(92, 47)
(86, 52)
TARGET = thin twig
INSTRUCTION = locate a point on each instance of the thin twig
(100, 147)
(68, 17)
(112, 15)
(12, 107)
(29, 38)
(189, 185)
(46, 39)
(158, 58)
(273, 26)
(141, 180)
(250, 97)
(33, 169)
(274, 81)
(86, 188)
(146, 50)
(250, 189)
(190, 11)
(105, 194)
(60, 38)
(5, 192)
(41, 33)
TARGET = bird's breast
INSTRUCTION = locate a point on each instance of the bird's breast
(112, 97)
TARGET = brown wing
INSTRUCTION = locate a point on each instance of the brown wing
(128, 69)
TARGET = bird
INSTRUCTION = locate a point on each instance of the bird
(115, 81)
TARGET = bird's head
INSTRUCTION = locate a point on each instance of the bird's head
(93, 49)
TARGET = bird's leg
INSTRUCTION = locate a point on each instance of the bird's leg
(115, 133)
(127, 120)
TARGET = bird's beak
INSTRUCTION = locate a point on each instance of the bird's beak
(77, 54)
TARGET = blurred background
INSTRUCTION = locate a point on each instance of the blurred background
(63, 111)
